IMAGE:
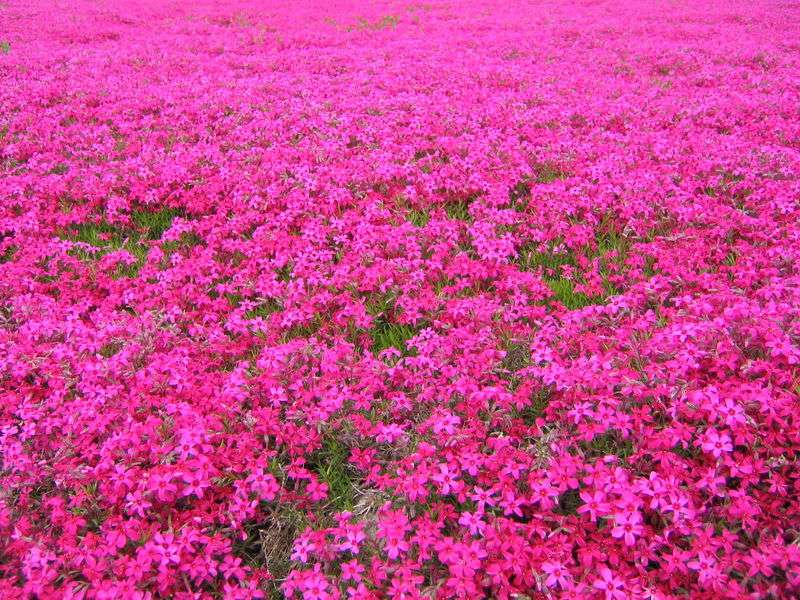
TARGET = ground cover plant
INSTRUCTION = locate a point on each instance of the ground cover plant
(329, 300)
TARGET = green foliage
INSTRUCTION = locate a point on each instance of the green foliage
(106, 237)
(284, 273)
(564, 292)
(330, 462)
(518, 356)
(520, 194)
(381, 304)
(568, 503)
(548, 171)
(385, 335)
(608, 443)
(8, 254)
(385, 22)
(418, 218)
(550, 264)
(263, 310)
(530, 258)
(458, 211)
(303, 330)
(110, 349)
(268, 543)
(187, 239)
(154, 223)
(59, 169)
(539, 402)
(609, 248)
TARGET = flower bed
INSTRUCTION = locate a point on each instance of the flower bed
(398, 300)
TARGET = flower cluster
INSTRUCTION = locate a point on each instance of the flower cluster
(401, 300)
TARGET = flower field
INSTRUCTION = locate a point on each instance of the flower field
(338, 299)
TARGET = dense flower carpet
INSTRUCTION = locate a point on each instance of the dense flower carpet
(331, 300)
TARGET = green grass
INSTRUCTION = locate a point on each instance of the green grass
(285, 272)
(440, 284)
(385, 22)
(59, 169)
(518, 356)
(110, 349)
(268, 307)
(105, 237)
(303, 330)
(539, 402)
(378, 306)
(268, 543)
(8, 254)
(609, 247)
(564, 292)
(330, 463)
(612, 248)
(520, 194)
(688, 452)
(609, 443)
(458, 211)
(234, 299)
(548, 171)
(568, 503)
(419, 218)
(187, 239)
(611, 241)
(117, 239)
(385, 335)
(154, 223)
(550, 264)
(531, 259)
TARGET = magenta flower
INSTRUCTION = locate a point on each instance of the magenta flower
(594, 504)
(627, 527)
(716, 443)
(557, 575)
(399, 300)
(611, 586)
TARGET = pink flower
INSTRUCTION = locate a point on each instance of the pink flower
(628, 527)
(465, 560)
(594, 504)
(231, 567)
(264, 484)
(716, 443)
(196, 483)
(521, 318)
(353, 537)
(557, 575)
(317, 491)
(302, 548)
(473, 522)
(352, 570)
(613, 587)
(709, 573)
